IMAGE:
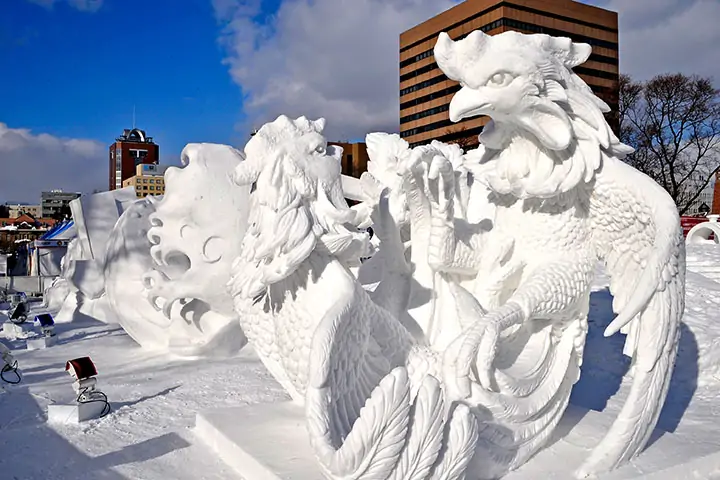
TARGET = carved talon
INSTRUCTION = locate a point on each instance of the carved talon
(477, 347)
(441, 171)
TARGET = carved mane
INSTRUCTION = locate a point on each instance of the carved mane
(293, 213)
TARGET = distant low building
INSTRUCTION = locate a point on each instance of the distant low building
(149, 179)
(15, 210)
(24, 227)
(56, 204)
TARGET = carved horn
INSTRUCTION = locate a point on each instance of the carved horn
(445, 56)
(570, 53)
(319, 124)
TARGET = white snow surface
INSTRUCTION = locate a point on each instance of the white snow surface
(155, 398)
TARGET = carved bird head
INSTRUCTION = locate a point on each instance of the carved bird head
(520, 81)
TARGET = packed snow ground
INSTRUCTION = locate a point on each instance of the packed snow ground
(155, 398)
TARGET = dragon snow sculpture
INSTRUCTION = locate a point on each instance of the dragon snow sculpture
(169, 258)
(374, 408)
(562, 199)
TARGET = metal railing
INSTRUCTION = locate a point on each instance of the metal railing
(32, 285)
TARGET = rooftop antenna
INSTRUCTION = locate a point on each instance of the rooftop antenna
(133, 117)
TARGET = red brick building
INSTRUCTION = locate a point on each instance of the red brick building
(23, 227)
(130, 149)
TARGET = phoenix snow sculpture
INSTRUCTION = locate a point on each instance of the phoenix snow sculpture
(562, 199)
(504, 239)
(374, 410)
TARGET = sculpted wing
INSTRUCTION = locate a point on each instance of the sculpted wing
(638, 234)
(347, 363)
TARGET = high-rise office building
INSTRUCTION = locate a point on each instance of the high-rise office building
(425, 92)
(130, 149)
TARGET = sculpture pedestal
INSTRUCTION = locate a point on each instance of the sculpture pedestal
(270, 442)
(261, 442)
(74, 413)
(38, 343)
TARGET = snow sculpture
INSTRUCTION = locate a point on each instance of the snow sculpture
(702, 232)
(505, 241)
(562, 199)
(81, 276)
(169, 258)
(372, 404)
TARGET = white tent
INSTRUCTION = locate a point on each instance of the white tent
(48, 250)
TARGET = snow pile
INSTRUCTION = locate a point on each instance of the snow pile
(704, 259)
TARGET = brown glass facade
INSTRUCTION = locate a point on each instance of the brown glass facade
(354, 158)
(425, 92)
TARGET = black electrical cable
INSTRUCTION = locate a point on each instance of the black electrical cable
(11, 368)
(106, 409)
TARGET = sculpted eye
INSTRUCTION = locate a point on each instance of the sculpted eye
(320, 148)
(500, 79)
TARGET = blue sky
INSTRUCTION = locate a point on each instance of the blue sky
(211, 70)
(78, 73)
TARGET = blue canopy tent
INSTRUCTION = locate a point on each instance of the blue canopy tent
(47, 251)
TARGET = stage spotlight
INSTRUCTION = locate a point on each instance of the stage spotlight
(18, 313)
(89, 401)
(46, 323)
(83, 371)
(10, 365)
(47, 336)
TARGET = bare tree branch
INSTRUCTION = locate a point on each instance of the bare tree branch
(673, 122)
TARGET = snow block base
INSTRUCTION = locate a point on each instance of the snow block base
(261, 442)
(12, 331)
(270, 442)
(75, 413)
(38, 343)
(580, 430)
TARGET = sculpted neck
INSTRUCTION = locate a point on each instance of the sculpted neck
(311, 282)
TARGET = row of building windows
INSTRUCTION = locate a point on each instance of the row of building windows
(430, 96)
(149, 180)
(427, 53)
(521, 8)
(424, 113)
(426, 128)
(591, 72)
(471, 134)
(148, 187)
(432, 66)
(532, 28)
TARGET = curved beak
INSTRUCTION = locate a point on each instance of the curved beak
(468, 103)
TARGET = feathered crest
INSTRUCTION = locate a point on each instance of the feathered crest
(568, 134)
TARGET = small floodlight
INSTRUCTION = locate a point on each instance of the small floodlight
(83, 371)
(10, 365)
(46, 323)
(18, 313)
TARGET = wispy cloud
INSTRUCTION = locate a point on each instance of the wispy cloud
(32, 163)
(339, 58)
(660, 36)
(82, 5)
(332, 58)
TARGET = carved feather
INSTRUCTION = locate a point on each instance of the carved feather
(638, 233)
(461, 436)
(425, 433)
